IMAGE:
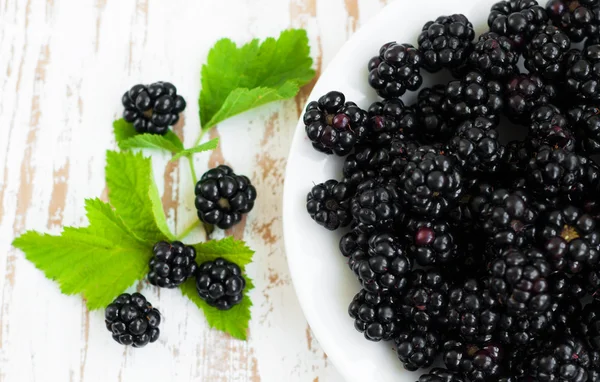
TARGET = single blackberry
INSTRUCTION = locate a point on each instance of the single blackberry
(375, 315)
(472, 312)
(172, 264)
(477, 151)
(222, 197)
(334, 125)
(590, 324)
(433, 126)
(545, 52)
(431, 241)
(153, 108)
(353, 241)
(556, 172)
(441, 375)
(329, 204)
(430, 184)
(586, 123)
(563, 316)
(368, 162)
(564, 359)
(521, 331)
(473, 96)
(426, 301)
(220, 283)
(493, 55)
(376, 205)
(416, 349)
(563, 287)
(508, 217)
(578, 18)
(570, 238)
(549, 127)
(518, 278)
(132, 320)
(525, 93)
(478, 363)
(446, 42)
(389, 118)
(583, 73)
(517, 19)
(395, 70)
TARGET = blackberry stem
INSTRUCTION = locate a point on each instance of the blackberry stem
(193, 169)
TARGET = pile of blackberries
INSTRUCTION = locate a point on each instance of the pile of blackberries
(473, 250)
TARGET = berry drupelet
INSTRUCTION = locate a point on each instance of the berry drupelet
(586, 124)
(222, 197)
(493, 55)
(473, 96)
(329, 204)
(545, 52)
(172, 264)
(446, 42)
(375, 315)
(395, 70)
(220, 283)
(477, 151)
(416, 349)
(517, 19)
(525, 93)
(580, 19)
(132, 320)
(153, 108)
(582, 77)
(334, 125)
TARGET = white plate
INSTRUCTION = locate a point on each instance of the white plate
(323, 282)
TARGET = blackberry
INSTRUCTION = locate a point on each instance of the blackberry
(368, 163)
(222, 197)
(375, 315)
(472, 312)
(564, 287)
(446, 42)
(334, 125)
(563, 359)
(220, 283)
(521, 330)
(329, 204)
(441, 375)
(132, 320)
(578, 18)
(570, 238)
(395, 70)
(353, 241)
(590, 325)
(430, 184)
(518, 278)
(478, 363)
(433, 126)
(390, 118)
(545, 52)
(172, 264)
(376, 205)
(508, 217)
(426, 300)
(556, 172)
(583, 73)
(153, 108)
(473, 96)
(431, 242)
(493, 55)
(586, 123)
(549, 127)
(525, 93)
(477, 151)
(517, 19)
(417, 350)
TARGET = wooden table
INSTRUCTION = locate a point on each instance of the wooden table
(65, 65)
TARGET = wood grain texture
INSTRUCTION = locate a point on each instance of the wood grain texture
(64, 66)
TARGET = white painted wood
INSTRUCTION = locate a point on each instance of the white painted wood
(64, 65)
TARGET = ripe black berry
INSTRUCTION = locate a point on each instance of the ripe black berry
(477, 151)
(391, 118)
(395, 70)
(432, 123)
(441, 375)
(426, 301)
(563, 359)
(549, 127)
(417, 350)
(545, 52)
(526, 92)
(375, 315)
(431, 242)
(153, 108)
(473, 96)
(220, 283)
(132, 320)
(222, 197)
(583, 73)
(479, 363)
(171, 264)
(586, 124)
(329, 204)
(376, 205)
(579, 18)
(517, 19)
(493, 55)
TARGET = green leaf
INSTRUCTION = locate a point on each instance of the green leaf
(127, 138)
(233, 321)
(133, 193)
(99, 261)
(235, 79)
(207, 146)
(235, 251)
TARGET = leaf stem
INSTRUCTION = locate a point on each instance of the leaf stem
(188, 230)
(193, 169)
(200, 136)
